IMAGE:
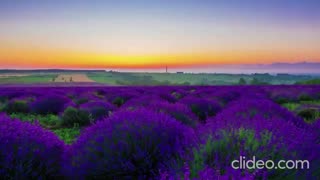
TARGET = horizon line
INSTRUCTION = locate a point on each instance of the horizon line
(196, 66)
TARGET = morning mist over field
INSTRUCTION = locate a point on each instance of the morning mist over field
(274, 68)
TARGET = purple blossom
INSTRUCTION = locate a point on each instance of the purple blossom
(51, 104)
(129, 144)
(203, 108)
(27, 151)
(98, 109)
(154, 132)
(178, 111)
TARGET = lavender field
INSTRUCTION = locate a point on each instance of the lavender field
(158, 132)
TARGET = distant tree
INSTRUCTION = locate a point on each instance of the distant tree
(53, 79)
(255, 81)
(71, 79)
(242, 81)
(186, 83)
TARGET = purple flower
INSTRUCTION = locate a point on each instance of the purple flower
(27, 151)
(178, 111)
(203, 108)
(52, 104)
(98, 109)
(129, 144)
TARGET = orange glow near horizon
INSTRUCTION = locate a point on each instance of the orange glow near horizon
(153, 34)
(70, 59)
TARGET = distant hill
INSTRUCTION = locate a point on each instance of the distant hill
(309, 68)
(304, 65)
(275, 68)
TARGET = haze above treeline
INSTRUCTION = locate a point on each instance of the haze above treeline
(274, 68)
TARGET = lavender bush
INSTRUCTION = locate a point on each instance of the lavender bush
(129, 144)
(52, 104)
(203, 108)
(163, 132)
(28, 152)
(97, 109)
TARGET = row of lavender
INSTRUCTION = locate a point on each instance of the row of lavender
(157, 132)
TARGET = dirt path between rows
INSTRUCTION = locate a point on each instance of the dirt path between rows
(72, 78)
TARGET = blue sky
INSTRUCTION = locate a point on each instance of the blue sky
(147, 32)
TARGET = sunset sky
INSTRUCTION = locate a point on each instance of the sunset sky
(157, 33)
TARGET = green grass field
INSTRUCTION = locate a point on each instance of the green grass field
(28, 79)
(117, 78)
(164, 78)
